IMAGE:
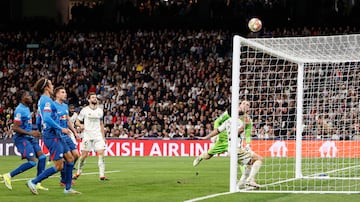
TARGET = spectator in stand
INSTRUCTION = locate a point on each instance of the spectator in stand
(176, 73)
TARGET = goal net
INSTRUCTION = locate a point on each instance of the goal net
(304, 94)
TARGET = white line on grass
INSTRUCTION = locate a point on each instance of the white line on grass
(57, 175)
(208, 196)
(275, 183)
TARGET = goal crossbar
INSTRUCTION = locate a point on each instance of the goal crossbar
(286, 48)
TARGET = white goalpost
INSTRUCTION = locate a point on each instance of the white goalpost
(305, 106)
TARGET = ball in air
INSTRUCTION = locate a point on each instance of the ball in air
(255, 24)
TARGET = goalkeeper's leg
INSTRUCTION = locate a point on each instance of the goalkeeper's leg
(255, 167)
(218, 148)
(198, 159)
(245, 174)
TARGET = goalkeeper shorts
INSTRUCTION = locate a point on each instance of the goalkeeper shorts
(218, 148)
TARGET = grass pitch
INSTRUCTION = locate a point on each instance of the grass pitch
(147, 179)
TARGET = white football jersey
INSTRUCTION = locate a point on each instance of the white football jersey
(227, 127)
(92, 119)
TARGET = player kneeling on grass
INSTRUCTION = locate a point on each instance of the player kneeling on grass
(246, 156)
(252, 163)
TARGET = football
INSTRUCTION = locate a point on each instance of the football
(255, 24)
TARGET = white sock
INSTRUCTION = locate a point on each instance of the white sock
(101, 165)
(80, 165)
(254, 170)
(201, 157)
(245, 174)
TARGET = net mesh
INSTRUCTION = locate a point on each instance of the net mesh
(339, 48)
(330, 132)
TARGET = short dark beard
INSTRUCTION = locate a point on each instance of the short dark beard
(241, 113)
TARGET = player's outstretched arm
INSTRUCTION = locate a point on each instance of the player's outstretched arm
(211, 134)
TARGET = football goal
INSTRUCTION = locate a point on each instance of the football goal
(305, 105)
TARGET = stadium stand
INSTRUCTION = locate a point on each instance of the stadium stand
(153, 82)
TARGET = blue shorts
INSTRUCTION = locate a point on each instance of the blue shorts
(57, 147)
(70, 143)
(28, 147)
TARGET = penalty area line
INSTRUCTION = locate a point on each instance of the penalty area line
(209, 196)
(94, 173)
(57, 175)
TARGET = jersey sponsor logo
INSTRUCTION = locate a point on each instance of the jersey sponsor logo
(17, 117)
(47, 107)
(63, 117)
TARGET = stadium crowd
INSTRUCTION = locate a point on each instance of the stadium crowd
(151, 84)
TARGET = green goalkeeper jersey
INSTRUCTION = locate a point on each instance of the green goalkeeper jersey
(248, 128)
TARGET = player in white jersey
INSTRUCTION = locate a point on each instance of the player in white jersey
(93, 134)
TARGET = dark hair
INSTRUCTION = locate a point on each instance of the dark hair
(20, 94)
(40, 85)
(57, 89)
(90, 94)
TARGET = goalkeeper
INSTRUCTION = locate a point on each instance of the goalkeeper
(247, 158)
(222, 142)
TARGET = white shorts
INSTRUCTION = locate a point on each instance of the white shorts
(93, 145)
(244, 156)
